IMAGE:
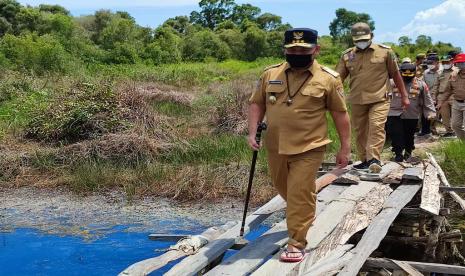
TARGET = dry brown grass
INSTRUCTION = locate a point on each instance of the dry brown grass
(231, 112)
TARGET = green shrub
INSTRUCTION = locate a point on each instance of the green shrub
(454, 162)
(87, 111)
(39, 54)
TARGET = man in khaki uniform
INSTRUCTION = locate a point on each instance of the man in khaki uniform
(295, 96)
(437, 92)
(370, 66)
(456, 87)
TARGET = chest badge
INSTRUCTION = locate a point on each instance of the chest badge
(272, 98)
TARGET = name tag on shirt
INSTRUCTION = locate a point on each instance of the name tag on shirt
(275, 82)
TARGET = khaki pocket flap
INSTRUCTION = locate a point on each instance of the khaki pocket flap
(314, 91)
(275, 88)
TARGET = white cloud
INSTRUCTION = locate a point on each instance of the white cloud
(445, 22)
(93, 4)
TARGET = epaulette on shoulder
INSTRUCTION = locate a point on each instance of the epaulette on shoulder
(347, 51)
(272, 66)
(384, 46)
(330, 71)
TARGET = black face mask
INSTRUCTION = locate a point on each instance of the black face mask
(408, 79)
(299, 61)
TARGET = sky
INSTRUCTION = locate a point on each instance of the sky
(443, 20)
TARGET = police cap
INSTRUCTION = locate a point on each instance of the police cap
(300, 37)
(360, 31)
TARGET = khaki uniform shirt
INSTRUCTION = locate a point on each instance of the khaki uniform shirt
(369, 71)
(421, 102)
(430, 77)
(439, 86)
(419, 72)
(300, 126)
(456, 85)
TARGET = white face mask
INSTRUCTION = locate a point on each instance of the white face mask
(362, 44)
(460, 65)
(431, 67)
(447, 66)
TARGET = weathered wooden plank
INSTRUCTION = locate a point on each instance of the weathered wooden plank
(197, 262)
(253, 254)
(358, 219)
(332, 263)
(444, 181)
(167, 237)
(420, 212)
(385, 171)
(145, 267)
(323, 225)
(411, 271)
(414, 174)
(423, 267)
(379, 227)
(430, 196)
(452, 189)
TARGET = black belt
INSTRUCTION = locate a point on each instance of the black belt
(461, 101)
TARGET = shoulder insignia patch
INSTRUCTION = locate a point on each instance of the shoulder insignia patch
(346, 51)
(384, 46)
(330, 71)
(272, 66)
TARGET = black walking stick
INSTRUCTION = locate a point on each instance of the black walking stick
(260, 128)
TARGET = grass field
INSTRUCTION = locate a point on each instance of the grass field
(175, 131)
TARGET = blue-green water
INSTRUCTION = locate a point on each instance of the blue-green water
(26, 251)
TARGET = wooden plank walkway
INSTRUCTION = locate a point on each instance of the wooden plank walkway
(362, 202)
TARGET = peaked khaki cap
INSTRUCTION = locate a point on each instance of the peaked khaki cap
(360, 31)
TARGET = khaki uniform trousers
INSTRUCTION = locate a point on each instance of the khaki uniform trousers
(445, 113)
(368, 121)
(294, 177)
(458, 119)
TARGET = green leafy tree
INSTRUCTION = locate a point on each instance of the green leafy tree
(404, 41)
(244, 12)
(180, 24)
(255, 43)
(340, 27)
(423, 42)
(55, 9)
(212, 12)
(203, 45)
(8, 11)
(235, 40)
(269, 21)
(166, 47)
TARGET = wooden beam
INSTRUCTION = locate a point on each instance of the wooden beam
(452, 189)
(410, 270)
(378, 228)
(414, 174)
(332, 263)
(323, 225)
(430, 196)
(356, 220)
(419, 212)
(167, 237)
(423, 267)
(147, 266)
(252, 255)
(196, 263)
(444, 181)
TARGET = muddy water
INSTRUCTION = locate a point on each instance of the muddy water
(50, 232)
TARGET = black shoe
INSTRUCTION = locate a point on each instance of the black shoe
(407, 155)
(362, 166)
(374, 165)
(399, 157)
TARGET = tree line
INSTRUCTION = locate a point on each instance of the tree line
(47, 38)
